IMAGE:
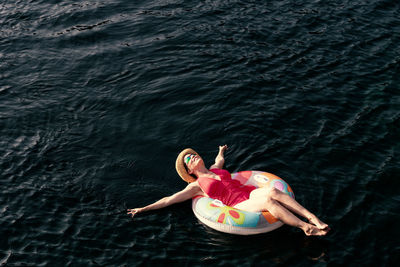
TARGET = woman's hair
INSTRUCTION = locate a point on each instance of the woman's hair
(187, 170)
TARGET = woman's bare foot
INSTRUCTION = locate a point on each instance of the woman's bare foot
(318, 223)
(310, 229)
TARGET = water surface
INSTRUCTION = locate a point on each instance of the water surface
(97, 98)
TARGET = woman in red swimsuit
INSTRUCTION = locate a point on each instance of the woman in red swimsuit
(216, 183)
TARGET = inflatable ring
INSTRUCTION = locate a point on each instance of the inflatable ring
(220, 217)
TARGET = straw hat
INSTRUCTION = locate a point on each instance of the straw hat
(180, 165)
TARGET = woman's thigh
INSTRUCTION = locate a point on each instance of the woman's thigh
(257, 201)
(260, 193)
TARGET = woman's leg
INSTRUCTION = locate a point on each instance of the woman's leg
(260, 201)
(294, 206)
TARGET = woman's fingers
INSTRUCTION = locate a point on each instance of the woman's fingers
(224, 147)
(132, 211)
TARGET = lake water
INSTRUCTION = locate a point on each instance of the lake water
(97, 98)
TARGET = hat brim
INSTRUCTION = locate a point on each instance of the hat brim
(180, 165)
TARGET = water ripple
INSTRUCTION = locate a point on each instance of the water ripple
(97, 99)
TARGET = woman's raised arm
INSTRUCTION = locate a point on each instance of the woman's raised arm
(219, 160)
(190, 191)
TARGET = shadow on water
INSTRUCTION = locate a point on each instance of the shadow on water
(283, 245)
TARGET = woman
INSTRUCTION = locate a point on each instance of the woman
(216, 183)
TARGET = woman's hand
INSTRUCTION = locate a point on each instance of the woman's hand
(134, 211)
(223, 148)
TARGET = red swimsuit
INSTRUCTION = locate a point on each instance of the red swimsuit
(230, 192)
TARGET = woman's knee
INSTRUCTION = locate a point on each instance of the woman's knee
(274, 193)
(269, 201)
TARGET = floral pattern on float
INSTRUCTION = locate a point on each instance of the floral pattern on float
(217, 211)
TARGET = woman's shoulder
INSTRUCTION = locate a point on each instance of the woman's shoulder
(193, 184)
(196, 188)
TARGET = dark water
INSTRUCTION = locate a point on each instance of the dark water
(97, 98)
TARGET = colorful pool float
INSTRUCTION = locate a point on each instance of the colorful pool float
(220, 217)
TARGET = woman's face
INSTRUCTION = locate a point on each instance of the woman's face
(192, 161)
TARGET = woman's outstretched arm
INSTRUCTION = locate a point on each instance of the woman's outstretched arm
(190, 191)
(220, 160)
